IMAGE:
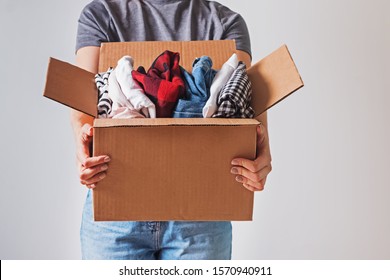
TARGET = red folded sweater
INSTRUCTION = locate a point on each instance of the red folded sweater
(163, 83)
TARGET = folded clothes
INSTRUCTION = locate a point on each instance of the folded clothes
(219, 81)
(163, 83)
(167, 89)
(120, 96)
(235, 96)
(132, 90)
(121, 107)
(197, 89)
(104, 101)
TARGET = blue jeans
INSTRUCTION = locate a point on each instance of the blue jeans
(197, 89)
(153, 240)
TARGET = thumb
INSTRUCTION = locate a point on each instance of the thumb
(246, 163)
(86, 132)
(84, 144)
(260, 134)
(261, 139)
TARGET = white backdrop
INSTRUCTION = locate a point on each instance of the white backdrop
(328, 196)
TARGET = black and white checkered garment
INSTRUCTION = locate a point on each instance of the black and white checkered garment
(235, 96)
(104, 101)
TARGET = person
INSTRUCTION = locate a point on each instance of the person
(159, 20)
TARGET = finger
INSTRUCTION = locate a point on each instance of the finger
(88, 173)
(249, 187)
(84, 142)
(262, 184)
(86, 131)
(260, 135)
(83, 153)
(251, 165)
(94, 161)
(263, 152)
(258, 186)
(254, 176)
(92, 186)
(263, 155)
(243, 180)
(98, 177)
(252, 189)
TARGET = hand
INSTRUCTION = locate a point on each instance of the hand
(91, 169)
(253, 173)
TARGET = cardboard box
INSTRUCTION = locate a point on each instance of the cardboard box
(173, 169)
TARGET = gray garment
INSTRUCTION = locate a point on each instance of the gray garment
(160, 20)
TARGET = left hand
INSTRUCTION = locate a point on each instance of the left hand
(253, 173)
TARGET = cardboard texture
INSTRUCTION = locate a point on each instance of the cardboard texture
(173, 169)
(273, 78)
(186, 176)
(144, 53)
(71, 86)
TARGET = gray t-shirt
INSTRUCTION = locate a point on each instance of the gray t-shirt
(159, 20)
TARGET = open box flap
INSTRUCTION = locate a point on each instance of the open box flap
(273, 78)
(71, 86)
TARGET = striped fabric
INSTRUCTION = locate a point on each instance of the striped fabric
(104, 101)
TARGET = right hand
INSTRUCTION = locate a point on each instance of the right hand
(91, 169)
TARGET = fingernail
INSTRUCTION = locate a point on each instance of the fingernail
(239, 179)
(101, 176)
(234, 170)
(104, 167)
(235, 162)
(107, 159)
(92, 186)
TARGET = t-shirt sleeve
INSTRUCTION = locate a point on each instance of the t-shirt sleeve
(92, 27)
(235, 28)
